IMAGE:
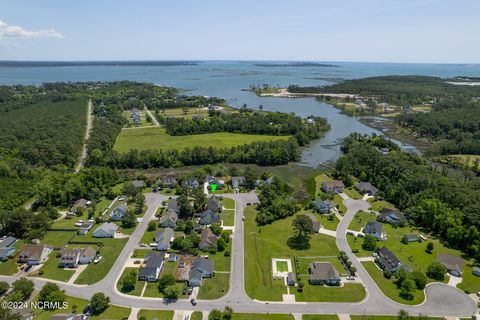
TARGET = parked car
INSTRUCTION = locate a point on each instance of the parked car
(350, 278)
(97, 259)
(193, 302)
(143, 245)
(184, 291)
(478, 294)
(190, 290)
(137, 262)
(121, 198)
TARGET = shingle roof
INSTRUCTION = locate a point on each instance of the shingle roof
(450, 261)
(322, 271)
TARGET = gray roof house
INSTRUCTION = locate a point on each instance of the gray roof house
(118, 213)
(139, 184)
(80, 203)
(172, 205)
(315, 224)
(200, 268)
(152, 268)
(290, 279)
(193, 182)
(169, 219)
(105, 230)
(208, 217)
(69, 258)
(214, 204)
(167, 181)
(87, 255)
(410, 238)
(6, 252)
(34, 254)
(163, 238)
(391, 216)
(7, 242)
(238, 182)
(453, 263)
(367, 188)
(333, 186)
(323, 206)
(375, 228)
(207, 239)
(85, 227)
(323, 273)
(388, 261)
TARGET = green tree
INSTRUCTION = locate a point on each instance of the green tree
(429, 248)
(436, 271)
(51, 293)
(216, 228)
(99, 303)
(129, 220)
(152, 226)
(166, 281)
(129, 189)
(369, 243)
(215, 314)
(4, 286)
(129, 281)
(185, 207)
(24, 287)
(420, 279)
(171, 292)
(407, 288)
(403, 315)
(302, 226)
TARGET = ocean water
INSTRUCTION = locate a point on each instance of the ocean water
(226, 79)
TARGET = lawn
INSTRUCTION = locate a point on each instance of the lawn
(355, 243)
(148, 237)
(367, 317)
(349, 292)
(329, 222)
(338, 202)
(261, 316)
(228, 217)
(137, 291)
(52, 271)
(58, 239)
(228, 203)
(264, 243)
(360, 220)
(467, 160)
(214, 288)
(156, 138)
(10, 266)
(377, 205)
(140, 253)
(197, 315)
(470, 283)
(155, 314)
(109, 251)
(282, 266)
(320, 317)
(389, 288)
(353, 193)
(318, 182)
(152, 290)
(222, 263)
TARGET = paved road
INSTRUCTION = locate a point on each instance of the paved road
(83, 156)
(442, 300)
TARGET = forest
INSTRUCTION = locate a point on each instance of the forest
(449, 207)
(398, 90)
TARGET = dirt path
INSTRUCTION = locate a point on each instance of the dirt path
(155, 121)
(83, 157)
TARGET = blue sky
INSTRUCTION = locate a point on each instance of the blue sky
(344, 30)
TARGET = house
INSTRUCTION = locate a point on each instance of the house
(167, 181)
(238, 182)
(207, 239)
(315, 224)
(310, 121)
(85, 227)
(200, 268)
(64, 316)
(193, 183)
(22, 313)
(367, 188)
(453, 263)
(214, 204)
(208, 217)
(169, 220)
(34, 254)
(391, 216)
(388, 261)
(172, 205)
(105, 230)
(214, 181)
(323, 206)
(79, 204)
(7, 252)
(476, 271)
(6, 242)
(290, 279)
(213, 107)
(375, 228)
(118, 213)
(138, 184)
(152, 268)
(172, 257)
(163, 238)
(323, 273)
(87, 255)
(336, 186)
(69, 258)
(410, 238)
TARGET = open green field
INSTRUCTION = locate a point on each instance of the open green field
(137, 291)
(353, 193)
(377, 205)
(214, 288)
(267, 242)
(282, 266)
(349, 292)
(465, 160)
(360, 220)
(52, 271)
(58, 238)
(155, 138)
(319, 317)
(388, 287)
(155, 314)
(109, 251)
(261, 316)
(197, 315)
(470, 282)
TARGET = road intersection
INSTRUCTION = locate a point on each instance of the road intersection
(441, 299)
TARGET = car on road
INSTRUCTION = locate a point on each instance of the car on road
(193, 302)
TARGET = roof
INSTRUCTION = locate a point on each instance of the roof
(450, 261)
(167, 180)
(333, 184)
(322, 271)
(5, 252)
(62, 316)
(7, 242)
(238, 181)
(207, 237)
(411, 237)
(173, 205)
(80, 203)
(203, 265)
(269, 180)
(373, 227)
(164, 235)
(138, 183)
(89, 252)
(388, 259)
(391, 214)
(323, 204)
(213, 203)
(367, 187)
(68, 255)
(120, 210)
(155, 260)
(171, 215)
(32, 251)
(108, 227)
(208, 217)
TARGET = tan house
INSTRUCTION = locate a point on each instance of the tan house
(34, 254)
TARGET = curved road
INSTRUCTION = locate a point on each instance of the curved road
(442, 300)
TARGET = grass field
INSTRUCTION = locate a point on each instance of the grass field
(156, 138)
(352, 193)
(319, 317)
(349, 292)
(58, 238)
(377, 205)
(360, 220)
(138, 286)
(261, 316)
(214, 288)
(470, 283)
(52, 271)
(264, 243)
(155, 314)
(10, 266)
(282, 266)
(389, 288)
(196, 315)
(465, 160)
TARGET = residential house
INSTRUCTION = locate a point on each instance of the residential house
(152, 268)
(193, 183)
(453, 263)
(238, 182)
(213, 107)
(323, 206)
(207, 239)
(388, 261)
(85, 227)
(366, 188)
(6, 242)
(476, 271)
(200, 268)
(290, 279)
(138, 184)
(22, 313)
(214, 204)
(168, 181)
(69, 258)
(7, 248)
(79, 204)
(172, 257)
(410, 238)
(65, 316)
(375, 228)
(163, 238)
(208, 217)
(336, 186)
(87, 255)
(118, 213)
(172, 205)
(323, 273)
(105, 230)
(34, 254)
(269, 180)
(169, 220)
(315, 224)
(212, 180)
(391, 216)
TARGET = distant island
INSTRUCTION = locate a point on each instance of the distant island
(295, 64)
(9, 63)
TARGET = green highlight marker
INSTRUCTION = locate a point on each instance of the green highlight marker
(214, 187)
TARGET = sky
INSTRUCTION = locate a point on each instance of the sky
(418, 31)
